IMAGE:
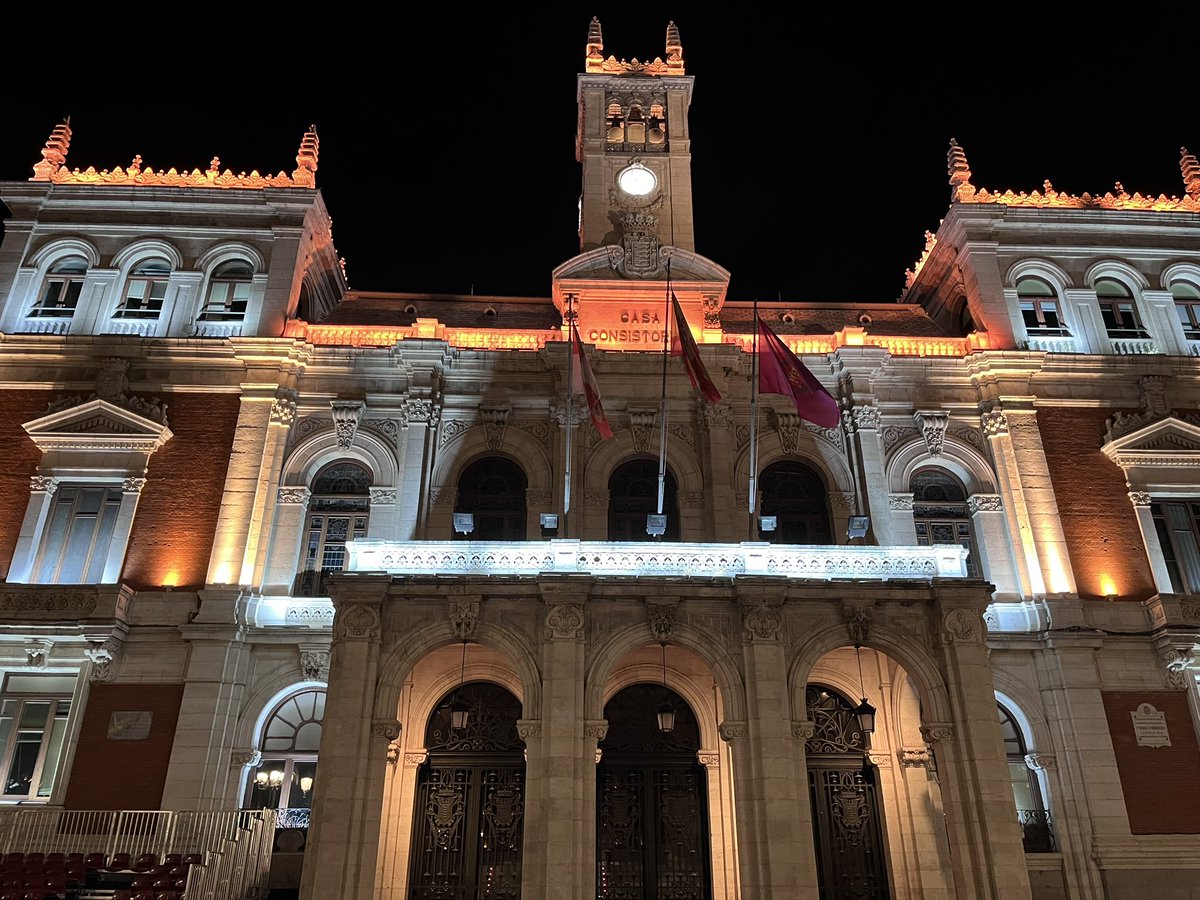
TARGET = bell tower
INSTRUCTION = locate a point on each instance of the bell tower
(633, 144)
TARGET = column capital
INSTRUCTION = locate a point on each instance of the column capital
(733, 732)
(1041, 762)
(978, 503)
(245, 759)
(936, 732)
(385, 728)
(46, 484)
(914, 757)
(529, 728)
(595, 729)
(804, 729)
(710, 759)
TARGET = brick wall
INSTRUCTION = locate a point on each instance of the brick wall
(1161, 784)
(123, 774)
(1098, 521)
(19, 458)
(176, 517)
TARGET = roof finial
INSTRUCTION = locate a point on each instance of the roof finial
(594, 57)
(960, 174)
(1191, 173)
(306, 160)
(54, 154)
(674, 50)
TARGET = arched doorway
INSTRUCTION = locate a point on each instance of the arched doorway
(633, 495)
(493, 490)
(652, 834)
(795, 495)
(843, 791)
(469, 811)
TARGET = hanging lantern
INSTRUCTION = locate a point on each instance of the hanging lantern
(666, 717)
(866, 716)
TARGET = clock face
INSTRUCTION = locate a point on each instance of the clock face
(636, 180)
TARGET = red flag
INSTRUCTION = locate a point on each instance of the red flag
(780, 372)
(683, 344)
(584, 382)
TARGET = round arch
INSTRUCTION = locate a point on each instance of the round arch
(523, 451)
(230, 250)
(60, 248)
(1118, 270)
(1033, 267)
(1025, 707)
(426, 701)
(314, 453)
(605, 459)
(957, 457)
(646, 673)
(810, 450)
(1180, 271)
(132, 254)
(259, 705)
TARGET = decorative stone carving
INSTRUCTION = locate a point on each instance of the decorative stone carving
(356, 622)
(595, 729)
(420, 410)
(1139, 498)
(389, 428)
(383, 496)
(642, 423)
(895, 434)
(538, 499)
(866, 418)
(733, 731)
(283, 411)
(935, 732)
(133, 485)
(900, 501)
(994, 422)
(932, 425)
(464, 616)
(314, 664)
(858, 624)
(710, 759)
(914, 758)
(45, 483)
(416, 758)
(842, 499)
(289, 495)
(49, 604)
(743, 500)
(880, 760)
(693, 499)
(441, 495)
(539, 431)
(242, 759)
(1041, 762)
(761, 622)
(717, 415)
(37, 653)
(595, 499)
(529, 728)
(296, 614)
(385, 728)
(1175, 662)
(712, 311)
(788, 426)
(662, 618)
(494, 420)
(452, 428)
(101, 656)
(1190, 612)
(960, 626)
(991, 621)
(977, 503)
(804, 730)
(393, 753)
(346, 416)
(564, 622)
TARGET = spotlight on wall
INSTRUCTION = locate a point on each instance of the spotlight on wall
(858, 526)
(767, 523)
(656, 526)
(464, 523)
(549, 522)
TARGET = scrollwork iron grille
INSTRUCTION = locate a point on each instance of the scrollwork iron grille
(491, 723)
(836, 726)
(847, 832)
(1037, 831)
(633, 726)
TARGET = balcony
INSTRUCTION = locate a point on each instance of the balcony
(666, 560)
(1036, 831)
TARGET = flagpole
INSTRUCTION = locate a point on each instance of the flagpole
(662, 403)
(753, 421)
(570, 407)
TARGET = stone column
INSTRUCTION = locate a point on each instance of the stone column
(923, 808)
(559, 859)
(283, 562)
(343, 839)
(993, 549)
(41, 499)
(1145, 519)
(781, 794)
(717, 436)
(862, 429)
(901, 524)
(985, 840)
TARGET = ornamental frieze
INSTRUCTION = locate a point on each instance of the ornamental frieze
(39, 603)
(761, 623)
(356, 621)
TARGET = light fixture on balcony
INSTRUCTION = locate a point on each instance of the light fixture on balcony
(306, 783)
(549, 523)
(767, 523)
(858, 526)
(666, 709)
(464, 523)
(656, 525)
(460, 712)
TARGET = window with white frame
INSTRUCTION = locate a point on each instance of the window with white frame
(33, 726)
(940, 512)
(61, 289)
(78, 535)
(1187, 305)
(290, 740)
(145, 291)
(1119, 309)
(338, 512)
(1040, 307)
(228, 293)
(1177, 523)
(1036, 831)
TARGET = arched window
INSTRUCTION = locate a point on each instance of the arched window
(493, 491)
(61, 289)
(795, 495)
(633, 495)
(1119, 309)
(145, 291)
(1187, 305)
(338, 512)
(1039, 307)
(289, 743)
(940, 512)
(1027, 793)
(966, 322)
(228, 293)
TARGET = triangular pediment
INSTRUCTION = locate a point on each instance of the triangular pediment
(1166, 441)
(97, 422)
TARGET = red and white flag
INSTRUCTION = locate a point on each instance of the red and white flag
(683, 344)
(780, 372)
(584, 382)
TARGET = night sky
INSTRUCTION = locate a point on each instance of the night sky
(447, 145)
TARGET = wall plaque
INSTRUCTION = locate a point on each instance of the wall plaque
(1150, 727)
(129, 726)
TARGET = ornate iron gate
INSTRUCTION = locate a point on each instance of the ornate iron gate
(470, 803)
(652, 835)
(847, 828)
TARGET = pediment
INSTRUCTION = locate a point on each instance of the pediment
(97, 424)
(1168, 441)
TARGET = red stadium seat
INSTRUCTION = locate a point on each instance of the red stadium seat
(145, 862)
(95, 861)
(193, 859)
(119, 863)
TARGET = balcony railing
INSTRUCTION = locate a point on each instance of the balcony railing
(692, 560)
(1037, 834)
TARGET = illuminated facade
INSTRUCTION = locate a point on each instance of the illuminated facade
(234, 515)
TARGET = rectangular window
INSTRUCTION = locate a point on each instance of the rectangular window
(226, 301)
(934, 531)
(33, 728)
(143, 299)
(78, 535)
(1189, 317)
(1042, 316)
(1177, 524)
(1121, 319)
(59, 298)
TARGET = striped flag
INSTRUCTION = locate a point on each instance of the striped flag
(584, 382)
(683, 344)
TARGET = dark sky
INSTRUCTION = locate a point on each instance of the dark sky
(447, 157)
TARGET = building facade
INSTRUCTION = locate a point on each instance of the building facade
(366, 559)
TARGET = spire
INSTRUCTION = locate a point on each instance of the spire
(674, 50)
(54, 154)
(594, 58)
(306, 160)
(961, 188)
(1191, 173)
